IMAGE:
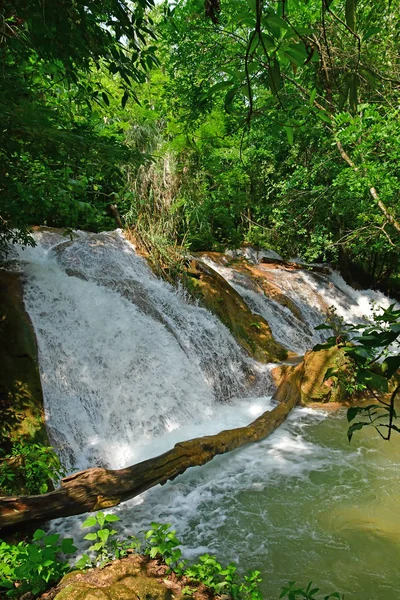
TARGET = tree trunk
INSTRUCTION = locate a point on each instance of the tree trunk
(97, 488)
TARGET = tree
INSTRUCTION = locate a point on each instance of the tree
(314, 72)
(57, 157)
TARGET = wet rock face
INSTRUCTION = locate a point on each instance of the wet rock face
(251, 330)
(124, 579)
(307, 379)
(21, 397)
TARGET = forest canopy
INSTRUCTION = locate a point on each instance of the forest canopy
(270, 123)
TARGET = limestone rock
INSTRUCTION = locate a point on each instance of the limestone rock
(306, 380)
(251, 331)
(125, 579)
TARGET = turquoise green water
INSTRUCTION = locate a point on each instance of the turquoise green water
(336, 524)
(339, 526)
(302, 505)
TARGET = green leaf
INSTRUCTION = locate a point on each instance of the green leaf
(372, 31)
(39, 534)
(221, 85)
(229, 100)
(101, 518)
(90, 521)
(67, 546)
(105, 98)
(350, 14)
(90, 536)
(352, 412)
(277, 22)
(355, 427)
(34, 553)
(373, 380)
(255, 42)
(103, 534)
(112, 518)
(322, 326)
(274, 77)
(50, 540)
(124, 99)
(289, 133)
(245, 18)
(390, 365)
(324, 346)
(83, 562)
(267, 41)
(324, 116)
(312, 99)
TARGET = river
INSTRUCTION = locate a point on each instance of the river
(129, 368)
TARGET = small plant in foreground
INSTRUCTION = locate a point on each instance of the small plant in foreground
(106, 547)
(162, 542)
(295, 593)
(32, 566)
(212, 574)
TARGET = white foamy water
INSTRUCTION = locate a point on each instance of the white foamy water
(312, 294)
(122, 355)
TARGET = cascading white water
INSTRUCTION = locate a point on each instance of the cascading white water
(122, 355)
(312, 293)
(129, 368)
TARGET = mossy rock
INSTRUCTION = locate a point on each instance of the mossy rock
(123, 579)
(307, 379)
(21, 396)
(251, 331)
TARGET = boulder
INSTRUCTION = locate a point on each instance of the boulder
(126, 579)
(21, 396)
(306, 379)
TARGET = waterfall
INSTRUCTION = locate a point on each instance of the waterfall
(123, 356)
(129, 367)
(313, 294)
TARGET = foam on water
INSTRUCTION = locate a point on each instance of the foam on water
(122, 355)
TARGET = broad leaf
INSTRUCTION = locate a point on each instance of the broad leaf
(372, 380)
(355, 427)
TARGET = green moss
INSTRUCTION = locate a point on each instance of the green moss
(251, 331)
(21, 397)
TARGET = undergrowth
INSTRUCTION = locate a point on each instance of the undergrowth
(31, 468)
(36, 565)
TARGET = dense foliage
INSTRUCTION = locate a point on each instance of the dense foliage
(34, 566)
(275, 124)
(372, 362)
(60, 158)
(30, 468)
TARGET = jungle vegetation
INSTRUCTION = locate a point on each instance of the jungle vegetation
(208, 126)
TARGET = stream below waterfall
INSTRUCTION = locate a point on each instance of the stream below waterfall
(129, 368)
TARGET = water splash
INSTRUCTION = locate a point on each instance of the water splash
(122, 355)
(313, 294)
